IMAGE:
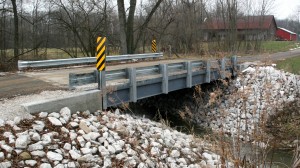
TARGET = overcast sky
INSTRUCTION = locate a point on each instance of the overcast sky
(286, 9)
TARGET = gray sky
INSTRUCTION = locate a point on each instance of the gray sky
(286, 9)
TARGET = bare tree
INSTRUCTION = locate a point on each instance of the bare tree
(16, 31)
(122, 23)
(128, 27)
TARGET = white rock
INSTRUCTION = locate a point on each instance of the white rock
(118, 148)
(30, 162)
(88, 145)
(74, 155)
(207, 156)
(94, 135)
(54, 114)
(181, 160)
(170, 160)
(117, 112)
(67, 146)
(11, 123)
(143, 156)
(35, 146)
(131, 152)
(7, 148)
(38, 153)
(142, 165)
(8, 134)
(150, 163)
(202, 163)
(103, 151)
(86, 151)
(45, 165)
(5, 164)
(81, 141)
(53, 156)
(64, 130)
(59, 166)
(155, 151)
(43, 114)
(73, 135)
(71, 165)
(87, 137)
(1, 156)
(46, 139)
(210, 163)
(130, 162)
(121, 156)
(2, 123)
(105, 135)
(175, 154)
(65, 113)
(35, 137)
(107, 162)
(17, 120)
(22, 142)
(39, 126)
(54, 121)
(74, 124)
(111, 149)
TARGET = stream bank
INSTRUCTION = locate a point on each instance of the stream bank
(237, 108)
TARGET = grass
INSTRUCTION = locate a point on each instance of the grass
(291, 65)
(277, 46)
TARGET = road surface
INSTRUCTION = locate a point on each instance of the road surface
(24, 83)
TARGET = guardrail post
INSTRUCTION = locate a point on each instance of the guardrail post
(234, 65)
(165, 78)
(207, 76)
(102, 87)
(71, 82)
(188, 66)
(132, 83)
(223, 68)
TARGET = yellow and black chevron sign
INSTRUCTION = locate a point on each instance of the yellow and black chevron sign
(154, 46)
(101, 53)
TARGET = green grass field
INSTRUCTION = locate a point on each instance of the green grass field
(277, 46)
(291, 65)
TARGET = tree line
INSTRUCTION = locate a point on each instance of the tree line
(72, 26)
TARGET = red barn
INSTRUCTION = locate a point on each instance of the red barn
(284, 34)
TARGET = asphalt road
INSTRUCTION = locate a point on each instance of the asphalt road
(24, 83)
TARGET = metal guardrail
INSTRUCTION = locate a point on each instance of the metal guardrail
(91, 77)
(79, 61)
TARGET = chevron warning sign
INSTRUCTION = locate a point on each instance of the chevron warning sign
(101, 53)
(154, 45)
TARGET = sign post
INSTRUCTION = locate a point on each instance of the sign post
(153, 46)
(100, 65)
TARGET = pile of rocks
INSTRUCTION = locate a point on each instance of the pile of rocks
(257, 94)
(102, 139)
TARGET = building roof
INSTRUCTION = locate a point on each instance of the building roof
(245, 22)
(286, 30)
